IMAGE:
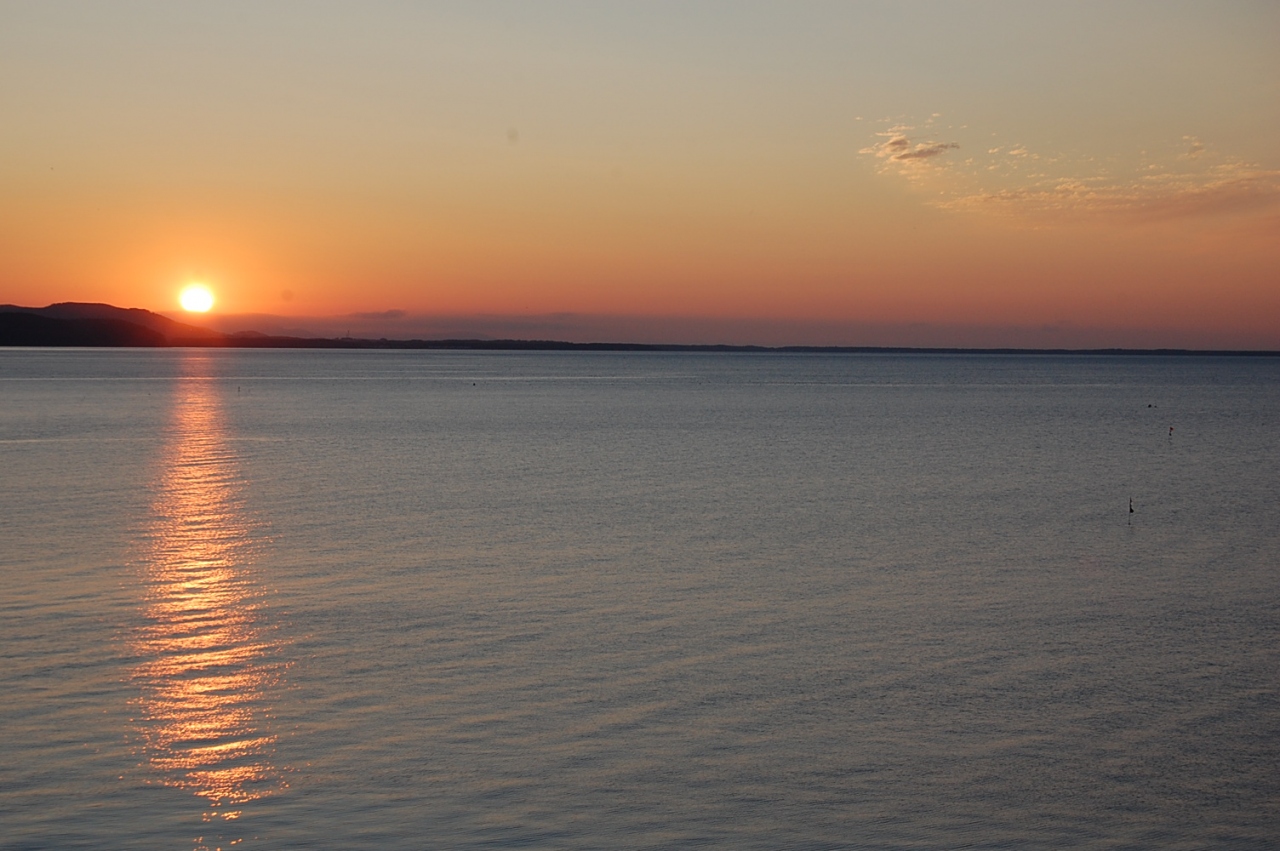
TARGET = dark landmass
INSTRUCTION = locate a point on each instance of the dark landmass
(71, 311)
(31, 329)
(102, 325)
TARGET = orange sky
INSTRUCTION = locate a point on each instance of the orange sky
(724, 172)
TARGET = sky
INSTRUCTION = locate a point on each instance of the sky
(1077, 174)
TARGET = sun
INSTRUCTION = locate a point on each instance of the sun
(196, 298)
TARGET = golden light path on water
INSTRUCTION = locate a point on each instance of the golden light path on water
(208, 666)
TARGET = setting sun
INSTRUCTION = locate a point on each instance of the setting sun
(196, 298)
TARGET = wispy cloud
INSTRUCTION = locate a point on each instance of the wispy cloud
(1186, 179)
(1227, 188)
(925, 150)
(901, 153)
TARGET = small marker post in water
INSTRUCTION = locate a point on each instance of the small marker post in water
(1130, 511)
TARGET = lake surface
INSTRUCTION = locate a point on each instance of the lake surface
(404, 600)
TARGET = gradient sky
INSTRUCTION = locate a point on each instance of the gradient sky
(951, 173)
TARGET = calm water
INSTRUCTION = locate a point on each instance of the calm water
(453, 600)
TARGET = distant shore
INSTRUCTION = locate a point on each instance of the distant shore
(105, 326)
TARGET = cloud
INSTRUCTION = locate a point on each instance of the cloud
(899, 151)
(925, 150)
(1229, 188)
(1182, 178)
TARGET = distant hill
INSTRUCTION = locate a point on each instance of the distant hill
(79, 324)
(30, 329)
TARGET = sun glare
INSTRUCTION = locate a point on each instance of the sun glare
(196, 298)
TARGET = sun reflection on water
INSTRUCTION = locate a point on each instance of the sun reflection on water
(208, 665)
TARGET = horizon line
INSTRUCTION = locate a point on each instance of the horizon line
(184, 329)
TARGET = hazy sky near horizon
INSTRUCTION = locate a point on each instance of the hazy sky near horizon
(1111, 167)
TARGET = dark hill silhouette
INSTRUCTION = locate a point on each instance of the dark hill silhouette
(31, 329)
(78, 324)
(83, 324)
